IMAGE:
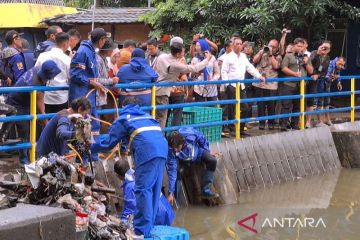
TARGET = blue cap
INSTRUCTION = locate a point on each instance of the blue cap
(138, 52)
(48, 70)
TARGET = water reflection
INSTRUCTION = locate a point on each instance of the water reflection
(333, 197)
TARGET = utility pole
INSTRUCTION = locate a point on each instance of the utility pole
(149, 3)
(93, 16)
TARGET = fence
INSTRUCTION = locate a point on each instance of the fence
(33, 117)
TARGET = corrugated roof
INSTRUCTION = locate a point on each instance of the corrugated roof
(102, 15)
(43, 2)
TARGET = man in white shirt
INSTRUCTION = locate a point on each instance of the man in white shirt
(56, 101)
(234, 66)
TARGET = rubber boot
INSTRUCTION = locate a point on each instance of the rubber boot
(208, 179)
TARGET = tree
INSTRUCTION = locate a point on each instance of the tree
(106, 3)
(253, 19)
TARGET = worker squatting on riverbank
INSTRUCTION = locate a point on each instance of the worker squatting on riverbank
(189, 145)
(54, 138)
(143, 137)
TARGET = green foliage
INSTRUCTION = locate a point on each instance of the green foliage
(253, 19)
(106, 3)
(85, 4)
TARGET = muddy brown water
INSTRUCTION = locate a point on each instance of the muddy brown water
(321, 207)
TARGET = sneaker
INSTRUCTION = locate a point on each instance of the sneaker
(321, 124)
(284, 128)
(308, 125)
(225, 129)
(271, 126)
(244, 134)
(329, 123)
(131, 235)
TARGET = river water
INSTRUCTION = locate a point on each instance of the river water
(321, 207)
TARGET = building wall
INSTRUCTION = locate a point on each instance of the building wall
(138, 32)
(120, 32)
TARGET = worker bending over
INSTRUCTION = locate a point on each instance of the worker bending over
(142, 134)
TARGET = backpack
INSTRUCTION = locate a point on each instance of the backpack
(5, 69)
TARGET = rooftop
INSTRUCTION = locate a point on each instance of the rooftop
(102, 15)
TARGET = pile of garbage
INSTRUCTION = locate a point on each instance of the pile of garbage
(54, 181)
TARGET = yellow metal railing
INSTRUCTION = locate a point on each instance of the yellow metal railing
(352, 101)
(153, 101)
(237, 110)
(302, 104)
(33, 126)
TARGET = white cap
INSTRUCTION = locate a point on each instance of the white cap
(176, 40)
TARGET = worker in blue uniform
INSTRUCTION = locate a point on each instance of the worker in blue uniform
(21, 100)
(137, 71)
(189, 145)
(142, 134)
(12, 59)
(165, 214)
(60, 128)
(84, 74)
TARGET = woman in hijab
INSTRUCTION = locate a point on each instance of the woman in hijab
(211, 72)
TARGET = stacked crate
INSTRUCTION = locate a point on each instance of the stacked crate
(194, 115)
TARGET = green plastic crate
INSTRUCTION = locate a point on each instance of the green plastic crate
(193, 115)
(213, 133)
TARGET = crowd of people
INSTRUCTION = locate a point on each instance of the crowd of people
(91, 67)
(236, 60)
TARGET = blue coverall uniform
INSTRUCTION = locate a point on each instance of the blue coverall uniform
(21, 101)
(195, 149)
(149, 148)
(14, 63)
(55, 135)
(165, 214)
(83, 67)
(138, 71)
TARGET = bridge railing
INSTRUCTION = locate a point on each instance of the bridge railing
(33, 116)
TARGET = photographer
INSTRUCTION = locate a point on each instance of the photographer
(295, 64)
(283, 49)
(196, 38)
(320, 60)
(268, 62)
(210, 73)
(333, 74)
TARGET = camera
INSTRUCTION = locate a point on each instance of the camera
(268, 50)
(286, 31)
(300, 58)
